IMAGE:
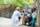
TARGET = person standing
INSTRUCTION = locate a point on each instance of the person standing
(15, 17)
(34, 16)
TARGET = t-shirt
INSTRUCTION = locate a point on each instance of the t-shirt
(34, 14)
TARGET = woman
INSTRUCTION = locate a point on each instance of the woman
(15, 17)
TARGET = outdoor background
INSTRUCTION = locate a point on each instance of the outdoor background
(8, 6)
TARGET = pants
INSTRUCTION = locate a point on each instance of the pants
(30, 19)
(33, 22)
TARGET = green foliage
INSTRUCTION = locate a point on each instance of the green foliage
(20, 3)
(1, 1)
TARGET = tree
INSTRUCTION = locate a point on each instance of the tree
(20, 3)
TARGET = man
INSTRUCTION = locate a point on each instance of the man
(34, 15)
(15, 17)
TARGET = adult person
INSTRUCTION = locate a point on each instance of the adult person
(34, 16)
(15, 17)
(27, 16)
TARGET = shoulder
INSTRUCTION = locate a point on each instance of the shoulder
(34, 13)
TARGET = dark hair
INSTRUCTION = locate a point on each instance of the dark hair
(33, 10)
(23, 11)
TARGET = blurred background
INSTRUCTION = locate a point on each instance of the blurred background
(8, 6)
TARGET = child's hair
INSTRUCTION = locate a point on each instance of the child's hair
(33, 10)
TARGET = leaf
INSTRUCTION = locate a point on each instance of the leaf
(20, 3)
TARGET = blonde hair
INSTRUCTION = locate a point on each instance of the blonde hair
(17, 8)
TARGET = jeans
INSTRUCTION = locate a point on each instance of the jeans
(33, 22)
